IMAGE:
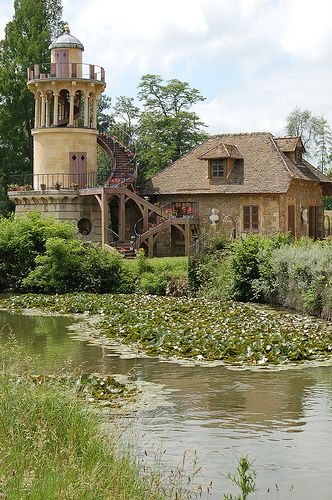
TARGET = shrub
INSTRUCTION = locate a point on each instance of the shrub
(153, 284)
(21, 240)
(253, 276)
(69, 265)
(303, 278)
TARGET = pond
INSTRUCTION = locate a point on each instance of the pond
(281, 419)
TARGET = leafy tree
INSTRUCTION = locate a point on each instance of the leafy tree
(302, 123)
(105, 120)
(328, 199)
(323, 143)
(128, 112)
(167, 127)
(27, 38)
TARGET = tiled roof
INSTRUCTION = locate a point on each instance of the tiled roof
(264, 168)
(287, 144)
(221, 151)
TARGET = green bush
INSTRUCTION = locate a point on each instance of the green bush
(21, 240)
(69, 265)
(154, 283)
(253, 276)
(303, 277)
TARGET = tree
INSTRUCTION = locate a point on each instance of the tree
(167, 127)
(322, 143)
(27, 38)
(302, 123)
(105, 120)
(128, 112)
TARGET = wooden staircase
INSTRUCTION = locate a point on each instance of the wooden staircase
(124, 167)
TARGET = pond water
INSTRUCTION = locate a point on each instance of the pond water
(281, 419)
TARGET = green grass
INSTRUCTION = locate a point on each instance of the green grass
(51, 446)
(177, 266)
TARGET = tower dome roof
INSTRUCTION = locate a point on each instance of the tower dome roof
(66, 41)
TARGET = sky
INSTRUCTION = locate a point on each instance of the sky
(253, 60)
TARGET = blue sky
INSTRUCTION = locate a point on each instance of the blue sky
(253, 60)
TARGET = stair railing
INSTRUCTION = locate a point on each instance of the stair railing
(113, 243)
(163, 215)
(131, 173)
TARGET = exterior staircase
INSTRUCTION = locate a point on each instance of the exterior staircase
(124, 167)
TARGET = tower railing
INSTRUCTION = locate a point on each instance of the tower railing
(50, 71)
(58, 181)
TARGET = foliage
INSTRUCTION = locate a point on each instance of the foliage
(197, 329)
(167, 128)
(53, 447)
(26, 42)
(303, 278)
(323, 143)
(251, 262)
(328, 199)
(105, 119)
(69, 265)
(128, 113)
(21, 240)
(315, 133)
(244, 479)
(302, 123)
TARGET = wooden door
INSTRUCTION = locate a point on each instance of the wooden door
(78, 168)
(62, 66)
(312, 222)
(291, 219)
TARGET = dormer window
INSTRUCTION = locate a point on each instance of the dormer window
(218, 168)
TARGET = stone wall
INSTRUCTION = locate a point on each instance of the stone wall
(66, 206)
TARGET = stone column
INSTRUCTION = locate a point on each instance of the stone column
(48, 111)
(37, 111)
(42, 115)
(94, 115)
(71, 110)
(86, 111)
(56, 110)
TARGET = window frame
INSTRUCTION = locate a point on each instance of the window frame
(220, 164)
(251, 218)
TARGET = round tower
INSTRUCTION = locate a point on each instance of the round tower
(65, 128)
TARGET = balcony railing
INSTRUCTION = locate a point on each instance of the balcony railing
(50, 71)
(57, 181)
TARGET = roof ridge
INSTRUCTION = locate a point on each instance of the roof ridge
(288, 137)
(239, 133)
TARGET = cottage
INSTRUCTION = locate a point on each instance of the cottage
(255, 182)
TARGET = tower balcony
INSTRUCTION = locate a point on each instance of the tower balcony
(63, 71)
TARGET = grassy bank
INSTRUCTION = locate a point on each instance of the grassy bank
(51, 445)
(198, 329)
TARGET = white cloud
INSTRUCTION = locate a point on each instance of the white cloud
(268, 55)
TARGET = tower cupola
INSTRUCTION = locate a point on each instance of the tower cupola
(66, 41)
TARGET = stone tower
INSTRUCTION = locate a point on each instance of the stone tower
(65, 131)
(65, 138)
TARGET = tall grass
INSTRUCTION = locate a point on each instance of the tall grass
(52, 446)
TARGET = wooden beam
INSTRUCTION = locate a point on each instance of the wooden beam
(187, 239)
(122, 217)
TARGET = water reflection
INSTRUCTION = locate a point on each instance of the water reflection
(281, 419)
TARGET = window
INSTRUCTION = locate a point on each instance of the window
(218, 168)
(250, 218)
(84, 226)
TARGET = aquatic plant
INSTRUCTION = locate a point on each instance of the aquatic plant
(198, 329)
